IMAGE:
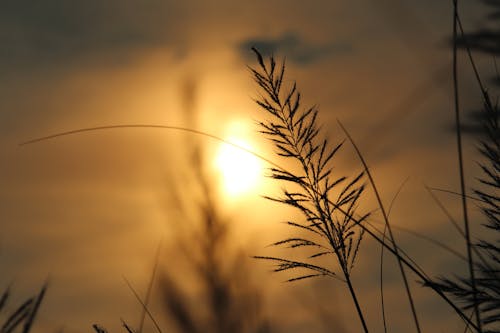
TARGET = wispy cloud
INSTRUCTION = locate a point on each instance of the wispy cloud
(55, 32)
(296, 48)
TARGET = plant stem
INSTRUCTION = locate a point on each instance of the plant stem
(461, 167)
(355, 299)
(388, 225)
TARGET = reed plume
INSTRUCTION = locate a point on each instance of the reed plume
(326, 201)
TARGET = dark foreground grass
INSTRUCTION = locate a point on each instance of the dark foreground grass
(20, 319)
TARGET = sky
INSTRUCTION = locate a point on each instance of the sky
(87, 211)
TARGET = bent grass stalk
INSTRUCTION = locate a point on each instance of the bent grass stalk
(24, 316)
(144, 306)
(382, 303)
(322, 220)
(259, 156)
(148, 291)
(405, 260)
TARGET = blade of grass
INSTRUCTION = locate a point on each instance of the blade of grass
(3, 299)
(454, 223)
(147, 126)
(455, 193)
(34, 309)
(150, 288)
(382, 256)
(127, 328)
(17, 317)
(143, 305)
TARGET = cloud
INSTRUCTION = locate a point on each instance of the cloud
(35, 33)
(294, 48)
(474, 123)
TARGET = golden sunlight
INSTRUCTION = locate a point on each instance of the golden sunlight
(239, 170)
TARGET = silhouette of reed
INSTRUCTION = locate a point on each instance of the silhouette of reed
(295, 135)
(23, 317)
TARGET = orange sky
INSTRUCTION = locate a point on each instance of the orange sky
(86, 210)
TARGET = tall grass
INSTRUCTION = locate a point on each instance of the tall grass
(22, 318)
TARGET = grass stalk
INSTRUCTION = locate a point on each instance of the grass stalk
(144, 306)
(425, 279)
(382, 301)
(295, 135)
(34, 310)
(148, 291)
(387, 224)
(461, 167)
(356, 303)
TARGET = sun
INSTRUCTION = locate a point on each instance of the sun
(239, 170)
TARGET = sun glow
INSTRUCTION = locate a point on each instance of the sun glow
(240, 171)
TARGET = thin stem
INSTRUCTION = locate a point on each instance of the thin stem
(496, 67)
(460, 231)
(406, 262)
(386, 219)
(150, 288)
(461, 167)
(34, 310)
(382, 303)
(317, 198)
(355, 299)
(149, 126)
(155, 323)
(382, 258)
(471, 59)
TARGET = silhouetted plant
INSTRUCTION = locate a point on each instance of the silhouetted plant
(295, 134)
(487, 265)
(99, 329)
(24, 316)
